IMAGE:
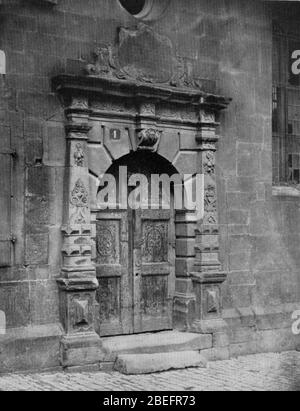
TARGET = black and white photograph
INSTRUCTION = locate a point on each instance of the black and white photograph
(149, 198)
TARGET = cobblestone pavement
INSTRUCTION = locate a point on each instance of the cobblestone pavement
(266, 372)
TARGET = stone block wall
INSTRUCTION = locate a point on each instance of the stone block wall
(228, 46)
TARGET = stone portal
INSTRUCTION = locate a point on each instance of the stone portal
(111, 116)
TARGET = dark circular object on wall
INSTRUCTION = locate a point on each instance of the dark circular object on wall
(133, 7)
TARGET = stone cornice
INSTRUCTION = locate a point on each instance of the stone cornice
(70, 85)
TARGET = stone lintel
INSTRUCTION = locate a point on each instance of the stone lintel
(96, 85)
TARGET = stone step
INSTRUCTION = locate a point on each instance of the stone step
(131, 364)
(162, 342)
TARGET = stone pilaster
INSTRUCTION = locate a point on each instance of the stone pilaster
(208, 276)
(184, 301)
(78, 283)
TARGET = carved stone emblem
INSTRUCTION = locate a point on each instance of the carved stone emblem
(105, 63)
(79, 199)
(148, 139)
(79, 155)
(124, 63)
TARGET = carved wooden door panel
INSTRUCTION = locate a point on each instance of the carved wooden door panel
(153, 270)
(115, 293)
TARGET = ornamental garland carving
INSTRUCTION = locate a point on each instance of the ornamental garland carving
(79, 199)
(79, 155)
(209, 163)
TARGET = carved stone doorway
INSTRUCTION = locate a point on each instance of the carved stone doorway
(135, 260)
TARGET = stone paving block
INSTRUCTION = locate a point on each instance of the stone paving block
(152, 363)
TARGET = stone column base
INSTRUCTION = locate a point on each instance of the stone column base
(184, 311)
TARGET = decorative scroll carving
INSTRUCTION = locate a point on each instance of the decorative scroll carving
(149, 139)
(209, 163)
(79, 199)
(155, 241)
(183, 75)
(105, 63)
(79, 155)
(106, 243)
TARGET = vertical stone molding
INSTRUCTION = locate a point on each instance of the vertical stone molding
(184, 301)
(78, 281)
(207, 276)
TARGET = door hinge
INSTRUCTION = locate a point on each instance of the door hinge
(12, 238)
(9, 152)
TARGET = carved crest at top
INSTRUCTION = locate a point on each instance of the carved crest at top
(145, 56)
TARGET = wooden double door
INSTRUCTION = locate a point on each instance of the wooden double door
(136, 271)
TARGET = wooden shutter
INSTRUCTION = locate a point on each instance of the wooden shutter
(6, 158)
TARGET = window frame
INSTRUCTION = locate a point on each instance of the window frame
(282, 186)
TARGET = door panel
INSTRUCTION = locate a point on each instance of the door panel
(154, 281)
(113, 272)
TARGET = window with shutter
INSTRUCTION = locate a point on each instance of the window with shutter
(6, 158)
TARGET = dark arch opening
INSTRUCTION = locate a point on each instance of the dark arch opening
(133, 7)
(145, 163)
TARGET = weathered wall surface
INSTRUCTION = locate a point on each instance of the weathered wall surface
(228, 46)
